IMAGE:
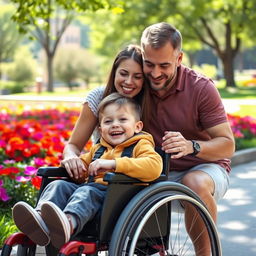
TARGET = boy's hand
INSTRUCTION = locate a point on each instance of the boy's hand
(101, 165)
(74, 166)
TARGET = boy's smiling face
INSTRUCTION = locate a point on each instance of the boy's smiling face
(118, 123)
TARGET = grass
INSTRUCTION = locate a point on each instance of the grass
(230, 93)
(238, 93)
(246, 110)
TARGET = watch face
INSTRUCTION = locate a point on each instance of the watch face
(196, 147)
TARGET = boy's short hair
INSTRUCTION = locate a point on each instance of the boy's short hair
(116, 98)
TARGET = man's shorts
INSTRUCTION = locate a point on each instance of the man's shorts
(218, 174)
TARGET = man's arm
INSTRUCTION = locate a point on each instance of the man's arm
(221, 145)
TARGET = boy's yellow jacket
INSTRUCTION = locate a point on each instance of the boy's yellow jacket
(145, 164)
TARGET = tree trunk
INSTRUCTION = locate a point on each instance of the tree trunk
(1, 66)
(50, 87)
(192, 58)
(228, 69)
(228, 57)
(240, 61)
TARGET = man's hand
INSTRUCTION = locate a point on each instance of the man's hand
(175, 144)
(101, 165)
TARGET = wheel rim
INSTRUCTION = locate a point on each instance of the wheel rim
(179, 244)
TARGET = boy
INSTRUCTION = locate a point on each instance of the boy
(64, 207)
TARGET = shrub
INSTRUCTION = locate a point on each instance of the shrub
(10, 87)
(21, 70)
(207, 70)
(74, 65)
(7, 228)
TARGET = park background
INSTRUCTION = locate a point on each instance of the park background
(53, 52)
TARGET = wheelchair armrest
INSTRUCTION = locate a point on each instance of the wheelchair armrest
(114, 177)
(52, 172)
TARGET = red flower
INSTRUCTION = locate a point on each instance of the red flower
(9, 170)
(36, 182)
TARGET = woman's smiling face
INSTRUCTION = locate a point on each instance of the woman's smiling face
(129, 78)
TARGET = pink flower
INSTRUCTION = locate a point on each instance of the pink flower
(23, 178)
(39, 161)
(9, 161)
(2, 144)
(37, 136)
(3, 194)
(30, 170)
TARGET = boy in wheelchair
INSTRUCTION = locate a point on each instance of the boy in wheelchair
(65, 207)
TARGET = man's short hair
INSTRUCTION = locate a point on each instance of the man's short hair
(120, 100)
(157, 35)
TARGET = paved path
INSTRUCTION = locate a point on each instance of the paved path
(237, 213)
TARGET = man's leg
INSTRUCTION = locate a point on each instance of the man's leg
(210, 182)
(201, 183)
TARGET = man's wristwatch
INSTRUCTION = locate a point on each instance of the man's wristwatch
(196, 148)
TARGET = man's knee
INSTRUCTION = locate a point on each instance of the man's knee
(200, 182)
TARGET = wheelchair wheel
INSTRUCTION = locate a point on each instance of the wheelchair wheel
(26, 251)
(153, 223)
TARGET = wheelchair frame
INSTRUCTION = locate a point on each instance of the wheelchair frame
(134, 226)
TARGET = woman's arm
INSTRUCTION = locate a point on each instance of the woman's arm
(81, 133)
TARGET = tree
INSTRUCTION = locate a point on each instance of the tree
(219, 24)
(72, 65)
(23, 68)
(9, 34)
(47, 20)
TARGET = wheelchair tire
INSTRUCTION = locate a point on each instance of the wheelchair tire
(26, 251)
(153, 223)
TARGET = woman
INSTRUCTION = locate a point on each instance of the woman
(126, 77)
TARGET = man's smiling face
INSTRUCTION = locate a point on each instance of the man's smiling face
(160, 66)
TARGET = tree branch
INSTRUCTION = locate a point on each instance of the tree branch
(66, 22)
(197, 31)
(216, 45)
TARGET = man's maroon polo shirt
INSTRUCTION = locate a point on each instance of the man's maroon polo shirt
(192, 105)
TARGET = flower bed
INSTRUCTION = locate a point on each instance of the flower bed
(244, 130)
(30, 138)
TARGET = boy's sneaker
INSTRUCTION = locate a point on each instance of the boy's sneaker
(30, 222)
(57, 222)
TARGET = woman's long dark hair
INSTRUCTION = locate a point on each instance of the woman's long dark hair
(130, 52)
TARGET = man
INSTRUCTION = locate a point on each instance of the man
(188, 121)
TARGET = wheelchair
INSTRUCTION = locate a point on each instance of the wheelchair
(137, 218)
